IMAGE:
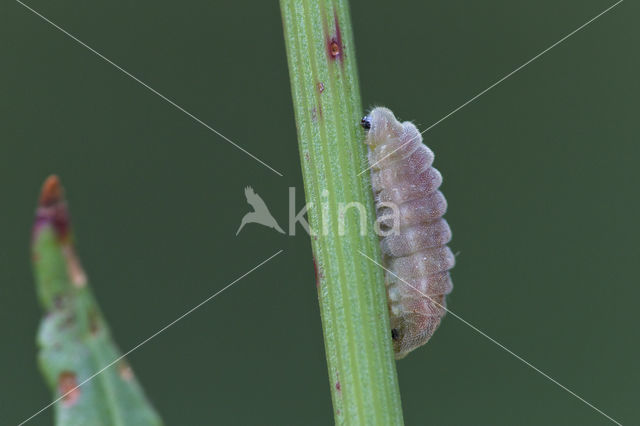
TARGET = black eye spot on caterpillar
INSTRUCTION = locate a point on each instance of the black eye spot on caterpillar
(416, 250)
(394, 334)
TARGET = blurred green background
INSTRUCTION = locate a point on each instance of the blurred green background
(541, 176)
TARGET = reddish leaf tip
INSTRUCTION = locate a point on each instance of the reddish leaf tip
(52, 192)
(52, 209)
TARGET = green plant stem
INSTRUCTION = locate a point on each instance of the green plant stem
(74, 339)
(326, 99)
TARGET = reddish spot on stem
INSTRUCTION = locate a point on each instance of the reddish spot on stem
(318, 272)
(316, 113)
(315, 270)
(338, 387)
(320, 87)
(334, 43)
(334, 48)
(68, 388)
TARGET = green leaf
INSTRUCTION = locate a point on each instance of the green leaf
(74, 339)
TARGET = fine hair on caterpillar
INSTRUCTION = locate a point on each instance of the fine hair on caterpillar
(414, 237)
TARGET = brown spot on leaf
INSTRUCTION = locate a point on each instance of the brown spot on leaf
(338, 387)
(94, 325)
(58, 301)
(68, 388)
(69, 321)
(125, 371)
(320, 87)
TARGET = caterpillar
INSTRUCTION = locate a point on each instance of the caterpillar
(413, 244)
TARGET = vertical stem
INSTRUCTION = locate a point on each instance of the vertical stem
(324, 84)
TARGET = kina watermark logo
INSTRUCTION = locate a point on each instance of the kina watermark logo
(332, 216)
(260, 214)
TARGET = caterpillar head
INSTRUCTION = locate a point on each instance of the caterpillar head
(397, 334)
(410, 332)
(414, 326)
(381, 125)
(401, 334)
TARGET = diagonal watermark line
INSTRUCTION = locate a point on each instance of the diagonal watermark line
(152, 336)
(149, 88)
(500, 345)
(498, 82)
